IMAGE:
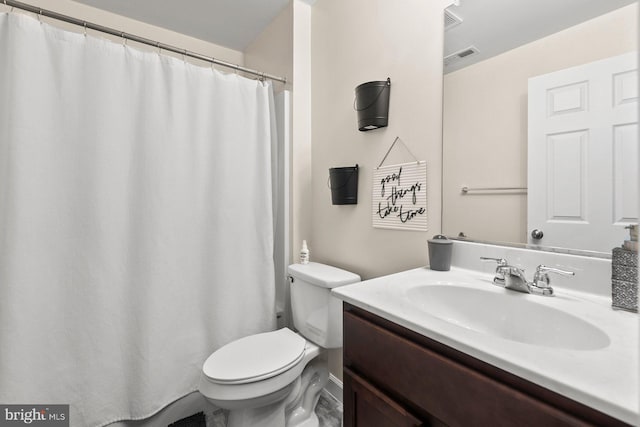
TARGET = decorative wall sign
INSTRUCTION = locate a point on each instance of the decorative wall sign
(400, 197)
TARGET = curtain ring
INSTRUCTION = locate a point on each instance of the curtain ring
(184, 56)
(40, 15)
(159, 49)
(84, 25)
(213, 63)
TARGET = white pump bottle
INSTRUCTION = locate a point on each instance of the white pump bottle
(304, 253)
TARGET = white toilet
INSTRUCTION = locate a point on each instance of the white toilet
(266, 379)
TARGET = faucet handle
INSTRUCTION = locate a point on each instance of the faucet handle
(500, 269)
(541, 278)
(501, 261)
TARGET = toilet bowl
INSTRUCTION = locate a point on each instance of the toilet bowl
(256, 377)
(271, 379)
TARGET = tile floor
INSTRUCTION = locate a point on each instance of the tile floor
(329, 410)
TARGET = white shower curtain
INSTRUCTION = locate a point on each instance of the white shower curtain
(136, 216)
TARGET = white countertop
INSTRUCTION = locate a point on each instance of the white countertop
(605, 379)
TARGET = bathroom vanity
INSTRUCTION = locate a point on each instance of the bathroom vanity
(450, 348)
(395, 377)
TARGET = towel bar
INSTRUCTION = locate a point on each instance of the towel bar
(466, 190)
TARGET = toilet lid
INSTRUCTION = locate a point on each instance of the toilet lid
(256, 357)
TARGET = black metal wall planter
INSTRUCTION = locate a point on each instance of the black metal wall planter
(343, 183)
(372, 104)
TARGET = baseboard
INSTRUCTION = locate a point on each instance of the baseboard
(334, 387)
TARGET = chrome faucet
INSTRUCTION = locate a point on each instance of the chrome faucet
(513, 278)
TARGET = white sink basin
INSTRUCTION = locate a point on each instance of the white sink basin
(507, 314)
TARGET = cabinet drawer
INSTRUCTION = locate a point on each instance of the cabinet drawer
(442, 388)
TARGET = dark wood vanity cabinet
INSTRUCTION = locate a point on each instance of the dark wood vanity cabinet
(396, 377)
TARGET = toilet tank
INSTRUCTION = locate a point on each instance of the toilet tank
(317, 315)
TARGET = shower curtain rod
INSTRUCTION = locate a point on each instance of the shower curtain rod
(138, 39)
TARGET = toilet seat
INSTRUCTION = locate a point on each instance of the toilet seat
(255, 358)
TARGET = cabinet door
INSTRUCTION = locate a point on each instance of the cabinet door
(366, 406)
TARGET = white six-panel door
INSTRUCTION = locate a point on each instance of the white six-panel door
(583, 154)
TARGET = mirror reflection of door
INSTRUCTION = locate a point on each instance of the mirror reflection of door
(485, 105)
(583, 154)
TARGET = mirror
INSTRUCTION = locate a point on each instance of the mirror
(492, 49)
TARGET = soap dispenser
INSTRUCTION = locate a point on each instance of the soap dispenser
(632, 243)
(304, 253)
(624, 273)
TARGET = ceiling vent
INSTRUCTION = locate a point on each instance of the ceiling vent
(451, 20)
(460, 55)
